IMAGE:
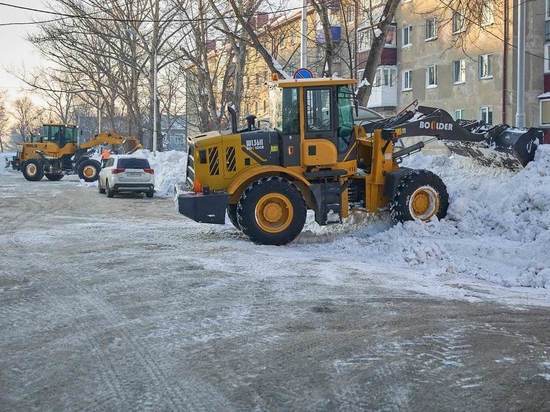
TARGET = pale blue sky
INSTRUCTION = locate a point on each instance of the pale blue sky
(15, 51)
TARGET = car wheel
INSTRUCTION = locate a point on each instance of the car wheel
(108, 190)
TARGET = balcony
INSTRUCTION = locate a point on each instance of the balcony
(383, 96)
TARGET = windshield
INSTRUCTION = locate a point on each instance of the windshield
(70, 134)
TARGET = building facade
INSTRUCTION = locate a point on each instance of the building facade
(436, 58)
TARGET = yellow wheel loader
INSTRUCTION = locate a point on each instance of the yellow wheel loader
(55, 152)
(315, 157)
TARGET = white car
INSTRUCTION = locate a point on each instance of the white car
(126, 173)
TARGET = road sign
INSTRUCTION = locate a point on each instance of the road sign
(303, 74)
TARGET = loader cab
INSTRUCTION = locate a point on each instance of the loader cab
(59, 134)
(315, 120)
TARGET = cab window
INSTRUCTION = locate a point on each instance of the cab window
(345, 118)
(318, 115)
(55, 134)
(290, 112)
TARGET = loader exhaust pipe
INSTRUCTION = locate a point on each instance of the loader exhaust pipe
(233, 117)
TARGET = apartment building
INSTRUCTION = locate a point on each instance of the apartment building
(470, 73)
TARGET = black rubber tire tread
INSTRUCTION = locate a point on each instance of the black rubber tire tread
(399, 205)
(150, 194)
(232, 214)
(39, 173)
(54, 177)
(108, 190)
(88, 162)
(247, 204)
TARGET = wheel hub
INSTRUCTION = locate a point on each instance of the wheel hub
(31, 169)
(424, 203)
(274, 212)
(89, 171)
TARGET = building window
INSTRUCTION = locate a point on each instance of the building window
(458, 22)
(487, 15)
(431, 76)
(486, 115)
(431, 29)
(385, 76)
(407, 80)
(407, 31)
(486, 66)
(459, 114)
(545, 112)
(547, 58)
(364, 40)
(547, 10)
(391, 36)
(459, 71)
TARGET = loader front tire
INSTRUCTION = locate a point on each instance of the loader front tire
(88, 170)
(232, 214)
(420, 195)
(271, 211)
(33, 170)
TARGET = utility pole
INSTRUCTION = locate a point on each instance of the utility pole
(155, 114)
(303, 34)
(520, 89)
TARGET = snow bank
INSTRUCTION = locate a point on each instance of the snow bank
(169, 170)
(4, 156)
(497, 228)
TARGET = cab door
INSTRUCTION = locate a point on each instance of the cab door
(319, 146)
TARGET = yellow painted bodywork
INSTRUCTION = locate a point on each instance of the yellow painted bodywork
(372, 150)
(52, 150)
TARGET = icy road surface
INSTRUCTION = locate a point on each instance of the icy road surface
(121, 304)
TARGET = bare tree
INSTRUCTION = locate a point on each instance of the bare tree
(379, 28)
(27, 117)
(3, 119)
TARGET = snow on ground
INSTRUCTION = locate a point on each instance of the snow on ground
(497, 228)
(169, 170)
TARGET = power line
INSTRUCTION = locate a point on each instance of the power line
(125, 20)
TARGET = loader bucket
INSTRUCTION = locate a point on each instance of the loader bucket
(508, 148)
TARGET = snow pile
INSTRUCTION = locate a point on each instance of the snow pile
(4, 158)
(497, 228)
(169, 170)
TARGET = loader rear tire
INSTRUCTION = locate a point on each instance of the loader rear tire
(33, 170)
(232, 214)
(54, 177)
(271, 211)
(88, 170)
(420, 195)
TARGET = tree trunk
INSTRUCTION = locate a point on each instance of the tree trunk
(373, 59)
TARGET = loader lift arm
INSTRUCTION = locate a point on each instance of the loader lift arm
(112, 138)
